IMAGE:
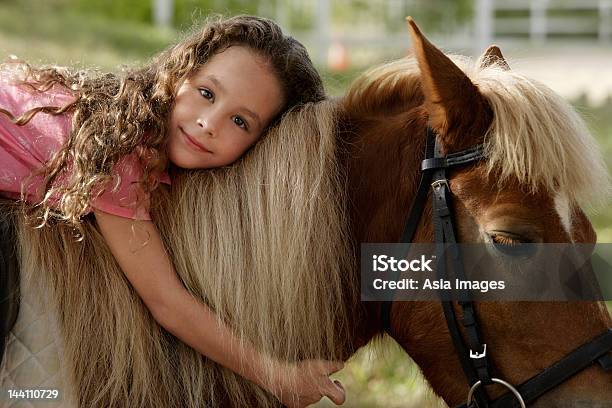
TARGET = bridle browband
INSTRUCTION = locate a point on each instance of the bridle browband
(473, 355)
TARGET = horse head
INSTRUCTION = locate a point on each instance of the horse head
(540, 164)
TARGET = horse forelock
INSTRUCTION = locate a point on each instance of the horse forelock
(535, 136)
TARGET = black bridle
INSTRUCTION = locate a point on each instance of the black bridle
(473, 355)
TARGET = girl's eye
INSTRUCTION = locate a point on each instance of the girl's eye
(240, 122)
(206, 93)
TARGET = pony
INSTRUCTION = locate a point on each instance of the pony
(541, 165)
(272, 243)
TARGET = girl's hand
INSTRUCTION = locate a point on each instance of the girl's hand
(306, 382)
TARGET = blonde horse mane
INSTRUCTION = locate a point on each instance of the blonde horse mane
(263, 242)
(536, 136)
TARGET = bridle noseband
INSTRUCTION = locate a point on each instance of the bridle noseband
(473, 355)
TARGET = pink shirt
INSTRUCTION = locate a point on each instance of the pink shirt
(26, 148)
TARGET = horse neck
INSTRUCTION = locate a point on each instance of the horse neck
(381, 157)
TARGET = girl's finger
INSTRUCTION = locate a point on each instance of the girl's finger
(335, 393)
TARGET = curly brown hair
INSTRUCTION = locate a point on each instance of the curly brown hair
(112, 113)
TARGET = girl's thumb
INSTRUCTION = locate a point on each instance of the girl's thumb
(339, 385)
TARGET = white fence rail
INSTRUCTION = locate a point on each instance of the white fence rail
(542, 19)
(494, 20)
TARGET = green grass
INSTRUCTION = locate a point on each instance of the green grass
(383, 375)
(38, 34)
(599, 120)
(42, 35)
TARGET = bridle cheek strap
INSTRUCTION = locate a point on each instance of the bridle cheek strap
(473, 356)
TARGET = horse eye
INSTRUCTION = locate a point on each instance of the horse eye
(505, 240)
(512, 245)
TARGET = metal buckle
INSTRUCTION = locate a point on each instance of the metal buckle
(476, 355)
(509, 386)
(438, 184)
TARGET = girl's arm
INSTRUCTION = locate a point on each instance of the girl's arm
(150, 271)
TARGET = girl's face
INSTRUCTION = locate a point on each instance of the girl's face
(222, 109)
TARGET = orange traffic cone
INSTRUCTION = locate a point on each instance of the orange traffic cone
(337, 57)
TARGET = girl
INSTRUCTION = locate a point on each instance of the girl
(74, 143)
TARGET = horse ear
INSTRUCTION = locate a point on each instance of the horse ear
(493, 56)
(453, 102)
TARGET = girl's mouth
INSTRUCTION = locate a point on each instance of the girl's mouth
(193, 143)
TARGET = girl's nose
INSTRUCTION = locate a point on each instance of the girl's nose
(208, 125)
